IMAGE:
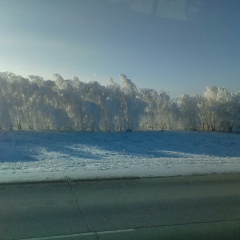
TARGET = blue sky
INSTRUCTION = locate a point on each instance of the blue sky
(180, 46)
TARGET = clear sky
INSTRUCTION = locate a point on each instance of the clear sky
(180, 46)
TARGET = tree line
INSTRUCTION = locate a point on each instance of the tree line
(37, 104)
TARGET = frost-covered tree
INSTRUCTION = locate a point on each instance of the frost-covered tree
(37, 104)
(128, 102)
(227, 111)
(164, 111)
(188, 108)
(211, 96)
(149, 119)
(220, 109)
(202, 111)
(5, 121)
(116, 117)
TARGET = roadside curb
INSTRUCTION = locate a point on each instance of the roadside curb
(106, 179)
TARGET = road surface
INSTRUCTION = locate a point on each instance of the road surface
(192, 207)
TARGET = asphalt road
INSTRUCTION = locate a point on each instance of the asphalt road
(193, 207)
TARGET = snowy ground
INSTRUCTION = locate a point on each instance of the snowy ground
(27, 156)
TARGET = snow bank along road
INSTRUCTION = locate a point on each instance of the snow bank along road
(190, 207)
(38, 156)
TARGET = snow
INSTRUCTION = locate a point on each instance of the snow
(39, 156)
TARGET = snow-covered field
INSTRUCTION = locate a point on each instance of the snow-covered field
(27, 155)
